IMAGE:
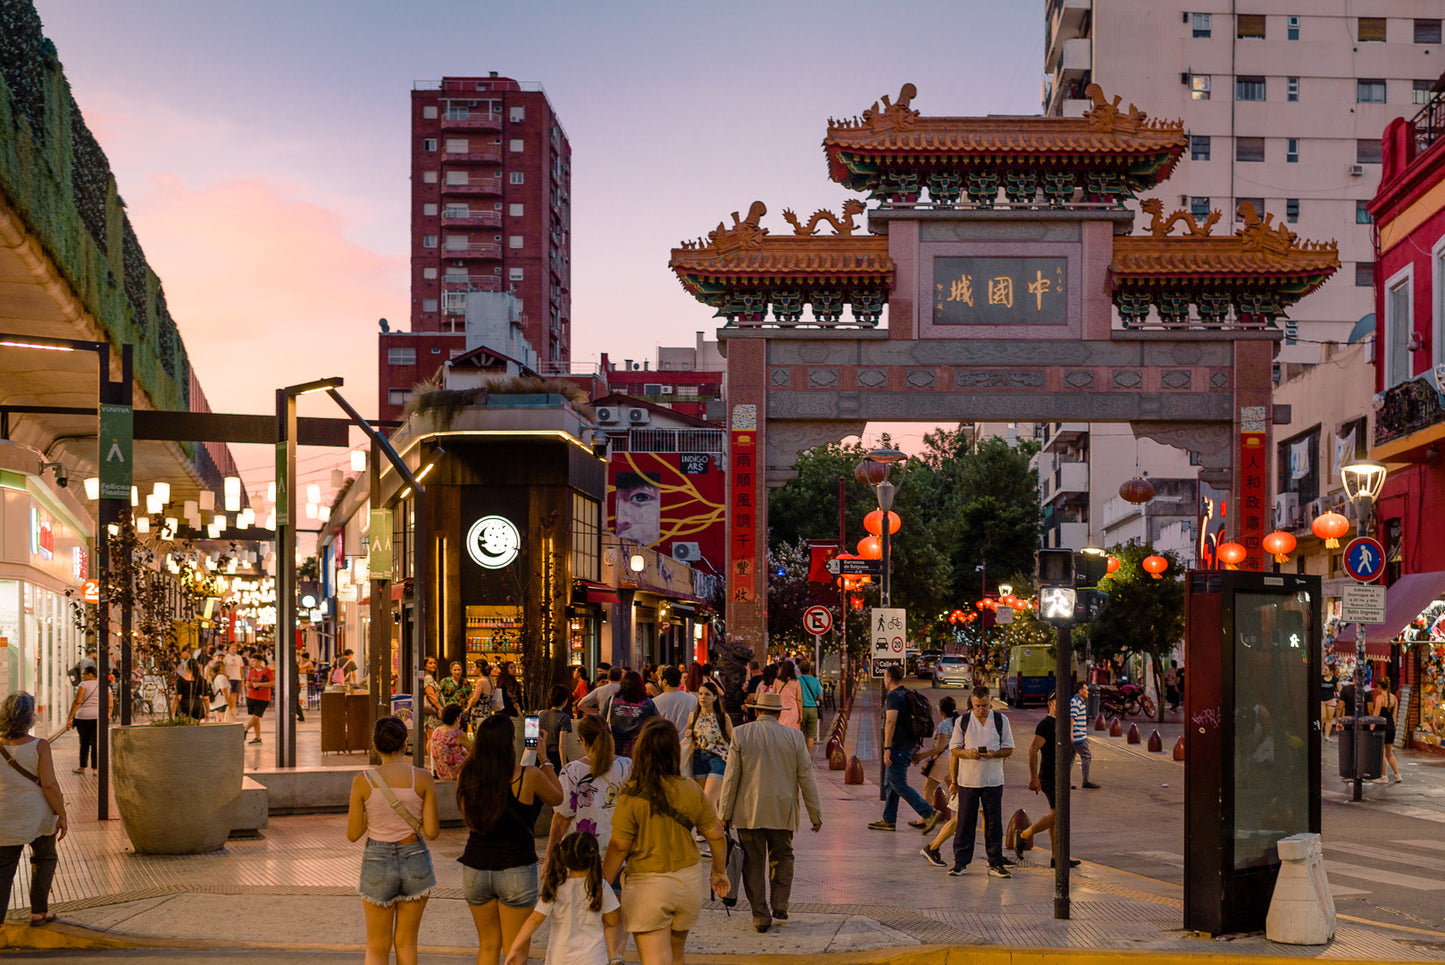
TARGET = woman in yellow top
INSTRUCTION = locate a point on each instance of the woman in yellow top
(652, 829)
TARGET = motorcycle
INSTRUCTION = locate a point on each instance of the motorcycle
(1125, 700)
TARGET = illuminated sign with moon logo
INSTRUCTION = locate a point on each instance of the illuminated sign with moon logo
(493, 542)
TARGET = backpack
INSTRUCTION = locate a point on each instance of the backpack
(920, 715)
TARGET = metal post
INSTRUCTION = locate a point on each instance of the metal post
(420, 587)
(1063, 742)
(285, 702)
(1358, 792)
(109, 514)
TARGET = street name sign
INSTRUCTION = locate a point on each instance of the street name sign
(817, 620)
(1363, 604)
(1004, 615)
(839, 567)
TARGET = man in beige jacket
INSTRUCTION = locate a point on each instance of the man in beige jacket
(768, 765)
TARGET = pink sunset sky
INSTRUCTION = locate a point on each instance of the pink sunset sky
(262, 148)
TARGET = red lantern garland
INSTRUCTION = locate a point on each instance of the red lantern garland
(1330, 527)
(1112, 566)
(1155, 565)
(1231, 554)
(870, 548)
(1281, 544)
(1137, 490)
(873, 522)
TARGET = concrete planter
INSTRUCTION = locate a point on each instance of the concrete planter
(177, 788)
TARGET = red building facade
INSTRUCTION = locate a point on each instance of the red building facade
(491, 210)
(1409, 436)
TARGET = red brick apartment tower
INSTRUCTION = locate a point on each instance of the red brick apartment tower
(491, 210)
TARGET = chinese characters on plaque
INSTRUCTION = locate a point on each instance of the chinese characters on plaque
(742, 519)
(999, 291)
(1253, 485)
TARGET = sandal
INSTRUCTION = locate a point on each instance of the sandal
(37, 920)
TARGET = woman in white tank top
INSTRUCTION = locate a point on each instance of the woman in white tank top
(395, 806)
(32, 809)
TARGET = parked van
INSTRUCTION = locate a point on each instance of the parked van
(1029, 677)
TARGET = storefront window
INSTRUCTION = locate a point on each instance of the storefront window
(494, 634)
(586, 538)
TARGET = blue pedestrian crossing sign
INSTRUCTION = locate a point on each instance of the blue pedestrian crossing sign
(1365, 559)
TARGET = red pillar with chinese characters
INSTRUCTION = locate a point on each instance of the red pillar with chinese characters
(1253, 374)
(747, 555)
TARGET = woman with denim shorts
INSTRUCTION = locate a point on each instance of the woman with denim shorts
(500, 799)
(395, 806)
(712, 733)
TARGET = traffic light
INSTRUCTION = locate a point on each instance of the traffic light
(1057, 596)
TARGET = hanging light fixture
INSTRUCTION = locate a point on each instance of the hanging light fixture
(233, 493)
(1280, 544)
(338, 479)
(207, 500)
(1155, 565)
(92, 487)
(1231, 554)
(873, 522)
(162, 491)
(1112, 566)
(1330, 527)
(313, 493)
(358, 460)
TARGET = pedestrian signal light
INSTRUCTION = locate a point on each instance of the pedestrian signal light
(1056, 568)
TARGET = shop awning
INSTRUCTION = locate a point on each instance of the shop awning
(589, 592)
(1406, 598)
(681, 609)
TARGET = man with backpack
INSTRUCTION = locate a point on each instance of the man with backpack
(979, 744)
(907, 722)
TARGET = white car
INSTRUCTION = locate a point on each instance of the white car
(952, 670)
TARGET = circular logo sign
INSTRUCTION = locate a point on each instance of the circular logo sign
(493, 542)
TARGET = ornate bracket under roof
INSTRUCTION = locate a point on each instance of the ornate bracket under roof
(1244, 280)
(743, 271)
(894, 153)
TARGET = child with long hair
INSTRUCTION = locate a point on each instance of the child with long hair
(584, 913)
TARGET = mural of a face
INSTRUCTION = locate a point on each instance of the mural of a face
(639, 507)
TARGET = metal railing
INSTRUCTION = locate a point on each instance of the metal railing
(1430, 123)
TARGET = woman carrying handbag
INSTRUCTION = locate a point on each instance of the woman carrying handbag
(32, 809)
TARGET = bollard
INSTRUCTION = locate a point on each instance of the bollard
(1179, 749)
(833, 745)
(1099, 721)
(1156, 743)
(854, 772)
(837, 760)
(1116, 729)
(1133, 737)
(1019, 822)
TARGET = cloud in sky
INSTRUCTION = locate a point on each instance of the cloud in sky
(266, 287)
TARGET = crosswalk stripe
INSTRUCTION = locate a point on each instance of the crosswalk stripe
(1365, 851)
(1383, 876)
(1434, 844)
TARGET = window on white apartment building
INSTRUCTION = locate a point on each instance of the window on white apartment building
(1203, 24)
(1368, 151)
(1371, 91)
(1291, 28)
(1291, 150)
(428, 241)
(401, 356)
(1364, 274)
(429, 112)
(519, 177)
(1427, 31)
(428, 144)
(429, 209)
(514, 209)
(1249, 88)
(403, 396)
(515, 241)
(1258, 204)
(457, 145)
(515, 145)
(1199, 87)
(515, 274)
(1249, 149)
(1198, 147)
(1199, 207)
(1362, 212)
(430, 177)
(1291, 210)
(1420, 91)
(1399, 322)
(457, 177)
(1291, 88)
(1371, 30)
(518, 114)
(1249, 26)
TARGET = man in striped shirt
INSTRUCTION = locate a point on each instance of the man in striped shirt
(1079, 719)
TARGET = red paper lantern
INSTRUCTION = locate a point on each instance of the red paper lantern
(1330, 527)
(873, 522)
(1231, 554)
(870, 548)
(1112, 566)
(871, 473)
(1281, 544)
(1137, 490)
(1154, 565)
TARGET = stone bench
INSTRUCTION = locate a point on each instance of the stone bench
(253, 810)
(306, 790)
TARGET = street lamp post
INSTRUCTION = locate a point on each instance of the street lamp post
(874, 471)
(1363, 479)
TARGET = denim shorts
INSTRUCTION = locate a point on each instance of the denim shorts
(392, 872)
(706, 764)
(513, 887)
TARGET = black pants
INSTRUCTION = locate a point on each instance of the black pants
(767, 860)
(42, 871)
(86, 730)
(969, 799)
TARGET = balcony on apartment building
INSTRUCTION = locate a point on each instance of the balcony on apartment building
(471, 219)
(489, 187)
(1067, 20)
(472, 283)
(1410, 422)
(1059, 436)
(485, 251)
(1068, 478)
(472, 157)
(463, 119)
(1067, 535)
(1069, 60)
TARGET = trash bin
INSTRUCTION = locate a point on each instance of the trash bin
(1372, 735)
(1093, 701)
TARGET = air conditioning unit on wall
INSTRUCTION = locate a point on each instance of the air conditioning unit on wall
(686, 552)
(638, 416)
(1286, 509)
(608, 415)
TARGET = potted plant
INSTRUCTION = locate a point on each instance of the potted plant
(177, 780)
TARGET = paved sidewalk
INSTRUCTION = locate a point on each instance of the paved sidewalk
(855, 891)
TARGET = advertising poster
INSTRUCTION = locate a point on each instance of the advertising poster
(672, 502)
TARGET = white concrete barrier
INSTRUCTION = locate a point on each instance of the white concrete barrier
(1302, 911)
